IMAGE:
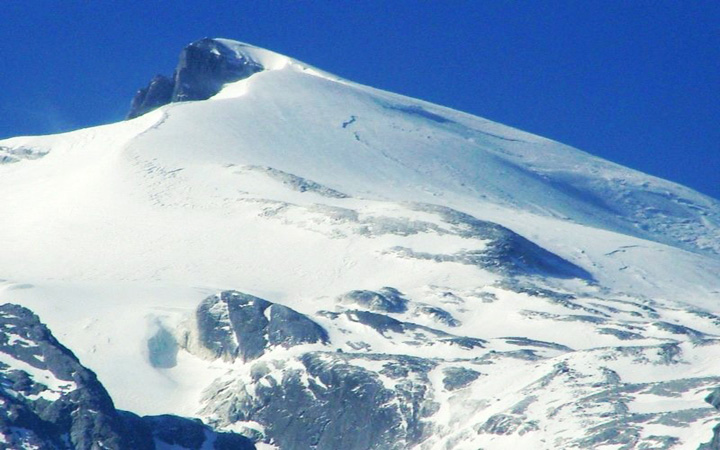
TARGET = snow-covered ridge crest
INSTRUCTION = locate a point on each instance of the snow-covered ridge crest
(271, 60)
(205, 67)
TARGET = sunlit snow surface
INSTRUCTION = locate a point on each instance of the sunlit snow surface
(298, 187)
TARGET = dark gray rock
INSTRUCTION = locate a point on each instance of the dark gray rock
(204, 67)
(505, 252)
(378, 322)
(420, 335)
(215, 334)
(670, 353)
(568, 301)
(681, 387)
(289, 328)
(620, 434)
(67, 408)
(158, 93)
(706, 315)
(525, 342)
(620, 334)
(372, 226)
(331, 403)
(714, 443)
(682, 418)
(694, 335)
(623, 429)
(439, 315)
(387, 299)
(458, 377)
(714, 398)
(465, 342)
(237, 325)
(248, 322)
(297, 183)
(506, 424)
(625, 432)
(190, 433)
(524, 354)
(82, 414)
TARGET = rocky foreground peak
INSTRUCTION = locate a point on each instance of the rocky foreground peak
(49, 400)
(203, 68)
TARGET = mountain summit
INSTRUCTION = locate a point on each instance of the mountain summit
(204, 67)
(314, 263)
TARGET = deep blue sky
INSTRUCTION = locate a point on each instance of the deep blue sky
(635, 82)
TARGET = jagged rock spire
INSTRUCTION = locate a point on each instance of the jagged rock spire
(203, 68)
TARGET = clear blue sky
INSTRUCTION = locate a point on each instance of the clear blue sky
(636, 82)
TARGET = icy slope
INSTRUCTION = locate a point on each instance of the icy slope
(378, 144)
(437, 251)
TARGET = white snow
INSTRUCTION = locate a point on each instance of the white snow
(55, 386)
(121, 226)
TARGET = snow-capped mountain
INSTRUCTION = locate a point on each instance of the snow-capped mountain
(318, 264)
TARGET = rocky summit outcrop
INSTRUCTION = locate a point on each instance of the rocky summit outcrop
(204, 67)
(49, 400)
(159, 92)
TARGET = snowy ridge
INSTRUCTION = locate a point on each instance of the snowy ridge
(301, 243)
(272, 61)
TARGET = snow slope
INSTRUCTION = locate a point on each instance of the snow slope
(298, 187)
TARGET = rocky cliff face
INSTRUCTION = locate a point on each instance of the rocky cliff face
(204, 67)
(159, 92)
(327, 380)
(50, 401)
(234, 325)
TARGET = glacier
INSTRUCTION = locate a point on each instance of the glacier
(315, 263)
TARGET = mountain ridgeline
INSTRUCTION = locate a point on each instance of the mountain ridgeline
(205, 66)
(265, 255)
